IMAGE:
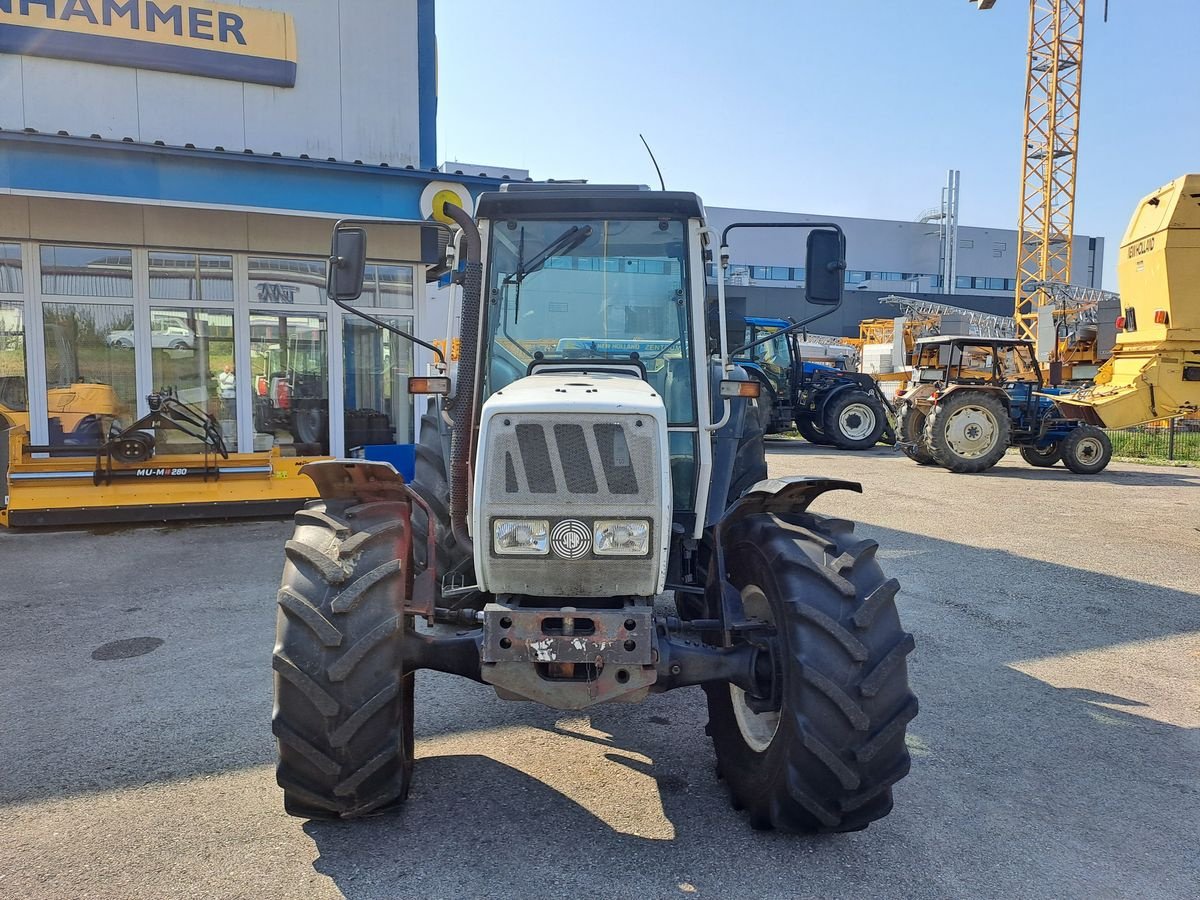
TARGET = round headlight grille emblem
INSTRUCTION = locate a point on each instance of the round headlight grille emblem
(571, 539)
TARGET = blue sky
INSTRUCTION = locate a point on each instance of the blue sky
(846, 107)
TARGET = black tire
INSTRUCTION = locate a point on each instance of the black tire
(964, 452)
(838, 746)
(343, 712)
(910, 434)
(1086, 450)
(1042, 459)
(750, 464)
(810, 431)
(853, 420)
(311, 426)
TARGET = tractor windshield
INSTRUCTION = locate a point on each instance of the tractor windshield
(591, 289)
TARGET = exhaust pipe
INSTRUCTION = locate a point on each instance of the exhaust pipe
(463, 408)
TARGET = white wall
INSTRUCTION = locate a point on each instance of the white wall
(356, 93)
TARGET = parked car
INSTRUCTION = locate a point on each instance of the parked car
(166, 334)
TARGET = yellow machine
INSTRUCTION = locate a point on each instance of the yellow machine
(1154, 372)
(43, 489)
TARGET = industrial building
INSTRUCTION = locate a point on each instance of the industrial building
(882, 257)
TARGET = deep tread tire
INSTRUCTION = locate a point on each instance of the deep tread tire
(858, 405)
(811, 432)
(343, 712)
(940, 417)
(1042, 459)
(750, 464)
(1086, 450)
(910, 434)
(839, 746)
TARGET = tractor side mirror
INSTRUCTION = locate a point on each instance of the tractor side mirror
(347, 263)
(826, 261)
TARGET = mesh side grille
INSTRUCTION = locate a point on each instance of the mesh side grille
(535, 456)
(575, 459)
(615, 458)
(510, 475)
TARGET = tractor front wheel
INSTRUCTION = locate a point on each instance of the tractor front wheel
(968, 431)
(826, 758)
(1043, 458)
(343, 712)
(1086, 450)
(810, 431)
(854, 420)
(910, 434)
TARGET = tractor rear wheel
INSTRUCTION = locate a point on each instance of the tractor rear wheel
(968, 431)
(810, 431)
(1043, 458)
(1086, 450)
(853, 420)
(826, 760)
(910, 434)
(343, 712)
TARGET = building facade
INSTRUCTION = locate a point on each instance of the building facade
(882, 257)
(169, 175)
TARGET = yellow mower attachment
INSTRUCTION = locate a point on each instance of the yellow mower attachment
(1154, 372)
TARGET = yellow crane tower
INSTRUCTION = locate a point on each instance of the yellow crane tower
(1054, 78)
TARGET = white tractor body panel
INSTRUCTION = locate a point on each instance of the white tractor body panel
(572, 449)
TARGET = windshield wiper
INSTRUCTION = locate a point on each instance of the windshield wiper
(564, 243)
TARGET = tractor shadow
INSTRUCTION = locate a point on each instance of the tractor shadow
(1145, 476)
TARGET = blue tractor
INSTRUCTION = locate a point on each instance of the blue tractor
(974, 397)
(827, 404)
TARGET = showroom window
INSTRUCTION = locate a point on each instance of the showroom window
(287, 282)
(190, 276)
(289, 382)
(11, 281)
(387, 287)
(90, 376)
(378, 407)
(192, 357)
(86, 271)
(14, 396)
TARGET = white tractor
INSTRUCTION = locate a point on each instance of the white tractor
(600, 452)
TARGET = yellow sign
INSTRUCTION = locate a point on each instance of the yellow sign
(216, 40)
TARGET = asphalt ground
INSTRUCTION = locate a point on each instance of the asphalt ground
(1057, 752)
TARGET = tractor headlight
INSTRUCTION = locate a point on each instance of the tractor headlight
(521, 537)
(621, 537)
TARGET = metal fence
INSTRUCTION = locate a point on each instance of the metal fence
(1174, 440)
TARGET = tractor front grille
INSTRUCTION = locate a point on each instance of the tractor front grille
(583, 461)
(583, 467)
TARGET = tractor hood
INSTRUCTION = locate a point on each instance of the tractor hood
(572, 458)
(556, 390)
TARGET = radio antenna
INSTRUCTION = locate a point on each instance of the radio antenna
(661, 183)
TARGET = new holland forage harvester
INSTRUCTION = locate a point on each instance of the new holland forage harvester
(599, 449)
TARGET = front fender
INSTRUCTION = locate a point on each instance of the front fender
(792, 494)
(788, 495)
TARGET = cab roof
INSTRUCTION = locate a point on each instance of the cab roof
(767, 322)
(596, 200)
